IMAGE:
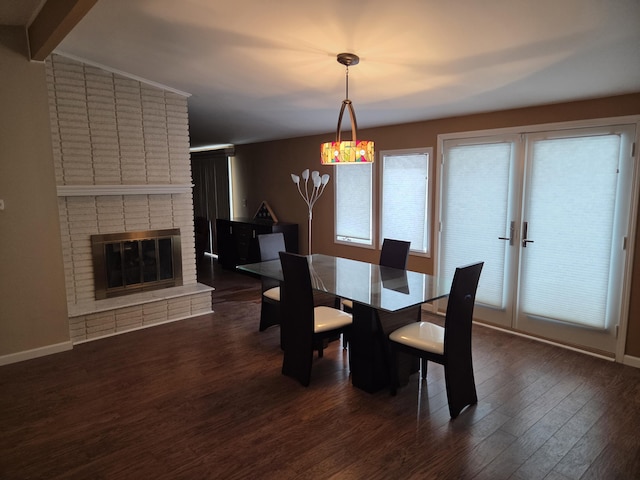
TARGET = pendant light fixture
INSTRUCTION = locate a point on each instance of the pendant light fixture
(353, 151)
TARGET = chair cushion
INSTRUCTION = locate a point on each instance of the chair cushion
(347, 303)
(328, 318)
(425, 336)
(272, 293)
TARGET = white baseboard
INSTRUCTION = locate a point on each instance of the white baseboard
(631, 361)
(35, 353)
(549, 342)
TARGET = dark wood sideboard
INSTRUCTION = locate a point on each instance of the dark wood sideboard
(238, 239)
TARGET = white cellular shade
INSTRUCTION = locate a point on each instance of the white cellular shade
(474, 204)
(570, 197)
(404, 198)
(353, 203)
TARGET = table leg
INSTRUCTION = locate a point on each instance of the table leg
(369, 348)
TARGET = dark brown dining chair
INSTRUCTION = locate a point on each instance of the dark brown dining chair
(449, 346)
(304, 327)
(394, 254)
(271, 244)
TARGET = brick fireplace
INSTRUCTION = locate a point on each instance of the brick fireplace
(121, 151)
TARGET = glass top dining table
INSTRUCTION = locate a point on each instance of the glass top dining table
(382, 288)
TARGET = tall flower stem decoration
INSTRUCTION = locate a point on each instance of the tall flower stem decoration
(310, 198)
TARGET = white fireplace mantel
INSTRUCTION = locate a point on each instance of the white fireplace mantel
(98, 190)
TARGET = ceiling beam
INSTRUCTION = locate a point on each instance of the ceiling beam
(55, 20)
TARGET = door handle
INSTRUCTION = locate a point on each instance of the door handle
(525, 230)
(510, 237)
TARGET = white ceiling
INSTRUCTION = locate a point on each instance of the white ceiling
(261, 70)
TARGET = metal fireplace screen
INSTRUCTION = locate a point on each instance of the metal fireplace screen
(132, 262)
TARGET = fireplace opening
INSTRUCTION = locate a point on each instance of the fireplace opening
(132, 262)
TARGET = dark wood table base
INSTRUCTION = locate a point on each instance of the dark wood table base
(369, 348)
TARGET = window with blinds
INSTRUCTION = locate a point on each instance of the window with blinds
(405, 197)
(475, 212)
(353, 203)
(570, 203)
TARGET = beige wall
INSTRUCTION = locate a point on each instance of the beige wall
(263, 174)
(33, 307)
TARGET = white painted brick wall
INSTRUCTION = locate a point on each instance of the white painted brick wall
(200, 303)
(107, 129)
(179, 307)
(128, 318)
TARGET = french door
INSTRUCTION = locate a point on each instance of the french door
(549, 213)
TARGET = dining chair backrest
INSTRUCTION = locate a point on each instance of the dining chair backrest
(394, 253)
(459, 315)
(297, 322)
(271, 244)
(297, 303)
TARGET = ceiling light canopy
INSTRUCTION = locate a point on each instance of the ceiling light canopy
(353, 151)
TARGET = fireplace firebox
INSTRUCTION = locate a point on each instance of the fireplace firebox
(131, 262)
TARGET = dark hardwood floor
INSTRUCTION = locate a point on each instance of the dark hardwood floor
(204, 398)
